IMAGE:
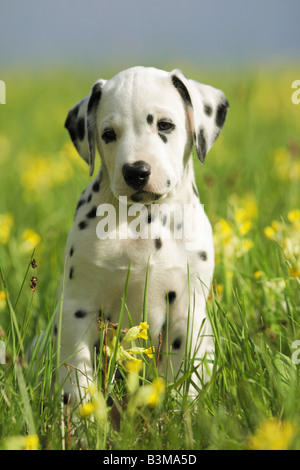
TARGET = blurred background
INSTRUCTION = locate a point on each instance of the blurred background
(165, 32)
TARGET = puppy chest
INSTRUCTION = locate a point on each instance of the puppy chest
(97, 270)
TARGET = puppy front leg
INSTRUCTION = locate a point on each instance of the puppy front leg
(78, 335)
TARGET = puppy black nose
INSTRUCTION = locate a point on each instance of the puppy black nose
(136, 174)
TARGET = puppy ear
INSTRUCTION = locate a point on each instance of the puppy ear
(81, 124)
(206, 109)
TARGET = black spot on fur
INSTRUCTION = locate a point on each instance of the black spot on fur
(208, 109)
(82, 225)
(158, 243)
(171, 296)
(70, 123)
(203, 255)
(92, 213)
(195, 190)
(80, 203)
(71, 273)
(91, 118)
(80, 314)
(150, 218)
(55, 330)
(95, 96)
(150, 119)
(163, 137)
(89, 198)
(221, 113)
(168, 183)
(80, 128)
(176, 343)
(73, 133)
(96, 186)
(66, 398)
(202, 146)
(182, 90)
(71, 251)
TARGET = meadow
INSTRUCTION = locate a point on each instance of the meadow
(249, 186)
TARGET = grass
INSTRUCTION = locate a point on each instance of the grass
(250, 181)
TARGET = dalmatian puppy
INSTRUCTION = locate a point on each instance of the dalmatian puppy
(139, 211)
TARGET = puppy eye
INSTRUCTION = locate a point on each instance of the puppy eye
(165, 126)
(109, 136)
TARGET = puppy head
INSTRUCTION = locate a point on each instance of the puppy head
(144, 123)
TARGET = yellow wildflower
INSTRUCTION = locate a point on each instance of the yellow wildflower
(294, 271)
(219, 289)
(286, 166)
(245, 227)
(30, 240)
(96, 407)
(247, 212)
(149, 351)
(251, 208)
(136, 350)
(223, 229)
(143, 334)
(133, 366)
(136, 332)
(92, 389)
(41, 173)
(276, 226)
(6, 223)
(269, 232)
(294, 215)
(273, 434)
(155, 393)
(86, 409)
(247, 244)
(30, 442)
(143, 325)
(2, 299)
(258, 274)
(151, 395)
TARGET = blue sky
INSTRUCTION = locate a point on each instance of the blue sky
(143, 31)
